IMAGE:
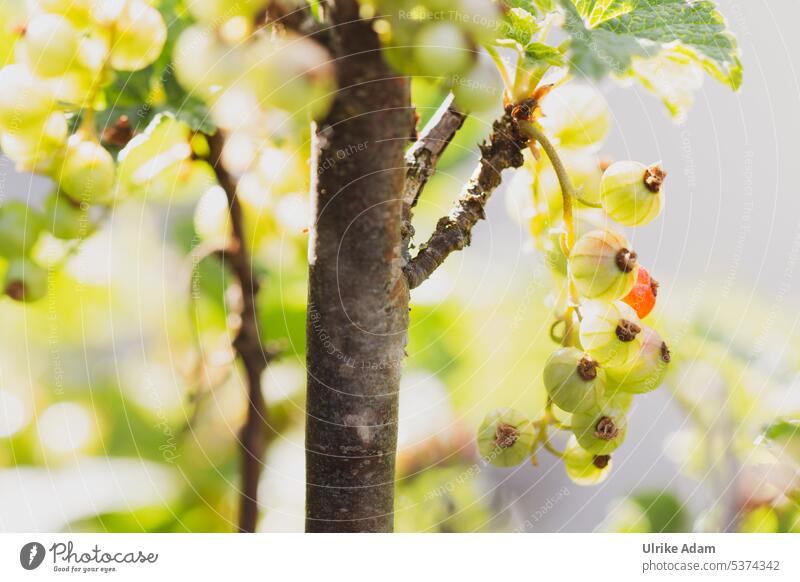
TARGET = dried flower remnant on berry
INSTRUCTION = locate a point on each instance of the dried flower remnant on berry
(587, 369)
(16, 290)
(627, 330)
(626, 260)
(654, 177)
(601, 461)
(665, 354)
(506, 435)
(605, 429)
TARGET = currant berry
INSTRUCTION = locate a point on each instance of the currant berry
(643, 295)
(583, 467)
(293, 73)
(25, 280)
(574, 381)
(50, 45)
(632, 193)
(576, 115)
(37, 151)
(204, 64)
(20, 227)
(87, 173)
(25, 101)
(505, 437)
(647, 371)
(78, 12)
(603, 266)
(212, 221)
(611, 333)
(66, 219)
(141, 34)
(479, 89)
(602, 429)
(442, 50)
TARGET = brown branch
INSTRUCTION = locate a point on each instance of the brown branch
(422, 157)
(247, 344)
(453, 232)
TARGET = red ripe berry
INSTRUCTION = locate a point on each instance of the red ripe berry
(643, 295)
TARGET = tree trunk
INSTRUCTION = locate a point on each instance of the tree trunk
(358, 298)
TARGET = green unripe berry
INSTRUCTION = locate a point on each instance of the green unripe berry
(87, 173)
(25, 101)
(78, 12)
(573, 380)
(479, 89)
(583, 467)
(293, 73)
(611, 333)
(50, 44)
(646, 372)
(603, 266)
(37, 151)
(576, 115)
(20, 227)
(66, 219)
(632, 193)
(442, 50)
(505, 437)
(140, 37)
(25, 281)
(602, 429)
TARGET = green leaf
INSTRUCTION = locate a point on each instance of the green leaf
(520, 26)
(595, 12)
(672, 76)
(596, 52)
(543, 53)
(695, 25)
(608, 33)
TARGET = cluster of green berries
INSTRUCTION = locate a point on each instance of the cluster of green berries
(608, 354)
(440, 41)
(64, 56)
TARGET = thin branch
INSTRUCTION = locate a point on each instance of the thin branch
(453, 232)
(247, 343)
(422, 157)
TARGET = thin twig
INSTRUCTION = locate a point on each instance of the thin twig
(422, 157)
(453, 232)
(247, 343)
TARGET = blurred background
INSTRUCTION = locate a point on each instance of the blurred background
(120, 400)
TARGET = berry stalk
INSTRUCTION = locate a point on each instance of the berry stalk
(568, 194)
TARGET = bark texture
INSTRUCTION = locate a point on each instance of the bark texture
(422, 157)
(358, 297)
(503, 150)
